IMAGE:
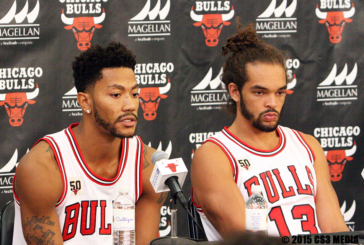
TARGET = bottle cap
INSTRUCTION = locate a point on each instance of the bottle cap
(256, 188)
(123, 189)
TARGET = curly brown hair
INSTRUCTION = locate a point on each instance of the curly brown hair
(246, 48)
(88, 65)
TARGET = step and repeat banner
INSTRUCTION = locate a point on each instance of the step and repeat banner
(178, 48)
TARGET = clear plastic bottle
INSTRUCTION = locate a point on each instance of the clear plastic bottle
(124, 218)
(256, 212)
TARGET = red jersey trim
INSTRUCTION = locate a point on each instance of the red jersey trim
(262, 153)
(310, 152)
(88, 172)
(139, 168)
(198, 207)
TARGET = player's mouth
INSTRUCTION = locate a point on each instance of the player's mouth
(128, 121)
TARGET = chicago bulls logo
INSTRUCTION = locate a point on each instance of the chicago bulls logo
(172, 167)
(16, 105)
(212, 25)
(337, 160)
(149, 100)
(83, 28)
(335, 22)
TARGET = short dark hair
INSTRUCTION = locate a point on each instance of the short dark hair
(88, 65)
(246, 48)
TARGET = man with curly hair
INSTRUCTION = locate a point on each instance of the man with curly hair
(290, 166)
(65, 186)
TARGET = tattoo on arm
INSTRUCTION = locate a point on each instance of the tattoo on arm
(162, 197)
(35, 232)
(146, 163)
(52, 156)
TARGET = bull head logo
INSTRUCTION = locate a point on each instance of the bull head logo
(149, 100)
(16, 105)
(172, 167)
(83, 28)
(335, 22)
(212, 25)
(337, 160)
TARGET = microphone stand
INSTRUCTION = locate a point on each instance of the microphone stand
(173, 239)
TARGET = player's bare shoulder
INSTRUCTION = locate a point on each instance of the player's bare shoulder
(38, 169)
(312, 142)
(147, 156)
(208, 152)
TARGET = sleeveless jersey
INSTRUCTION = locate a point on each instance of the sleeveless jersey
(286, 175)
(85, 208)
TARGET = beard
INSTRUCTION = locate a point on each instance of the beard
(111, 127)
(258, 122)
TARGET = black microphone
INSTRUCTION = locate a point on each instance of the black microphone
(171, 173)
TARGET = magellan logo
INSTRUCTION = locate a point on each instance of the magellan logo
(348, 215)
(198, 138)
(341, 145)
(70, 103)
(209, 94)
(145, 26)
(21, 90)
(277, 26)
(213, 22)
(333, 90)
(334, 14)
(153, 75)
(24, 28)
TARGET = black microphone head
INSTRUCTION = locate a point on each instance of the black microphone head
(159, 155)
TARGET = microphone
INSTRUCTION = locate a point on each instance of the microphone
(169, 174)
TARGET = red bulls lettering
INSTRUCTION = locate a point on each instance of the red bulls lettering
(335, 22)
(149, 100)
(88, 219)
(83, 28)
(271, 189)
(91, 217)
(337, 160)
(272, 198)
(212, 25)
(16, 105)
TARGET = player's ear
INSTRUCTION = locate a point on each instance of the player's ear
(85, 101)
(234, 92)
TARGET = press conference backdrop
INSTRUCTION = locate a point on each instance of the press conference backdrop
(178, 48)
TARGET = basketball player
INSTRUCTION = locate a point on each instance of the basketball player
(65, 186)
(290, 166)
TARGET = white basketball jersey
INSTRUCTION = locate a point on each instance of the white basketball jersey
(85, 208)
(286, 175)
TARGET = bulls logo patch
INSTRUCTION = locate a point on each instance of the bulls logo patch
(245, 164)
(76, 186)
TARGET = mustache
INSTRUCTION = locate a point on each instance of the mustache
(269, 110)
(126, 115)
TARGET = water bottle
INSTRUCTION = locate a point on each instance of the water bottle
(256, 212)
(124, 218)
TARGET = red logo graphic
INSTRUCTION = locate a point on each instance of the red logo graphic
(212, 25)
(335, 22)
(83, 28)
(172, 167)
(16, 105)
(149, 100)
(337, 160)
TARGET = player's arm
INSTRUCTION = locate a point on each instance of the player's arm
(215, 190)
(147, 210)
(38, 184)
(329, 215)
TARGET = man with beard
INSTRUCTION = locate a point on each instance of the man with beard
(290, 166)
(65, 186)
